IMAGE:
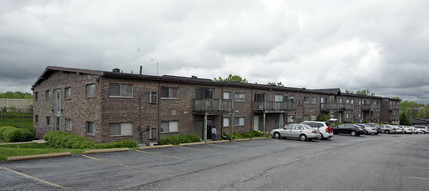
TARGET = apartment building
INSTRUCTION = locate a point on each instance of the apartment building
(110, 106)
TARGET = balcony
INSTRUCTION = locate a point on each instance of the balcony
(370, 107)
(393, 107)
(336, 107)
(274, 106)
(212, 106)
(394, 118)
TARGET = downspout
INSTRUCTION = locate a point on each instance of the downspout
(158, 117)
(140, 118)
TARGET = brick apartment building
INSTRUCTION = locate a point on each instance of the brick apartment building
(111, 106)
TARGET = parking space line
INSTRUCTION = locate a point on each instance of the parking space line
(204, 150)
(224, 146)
(420, 178)
(127, 166)
(420, 167)
(32, 177)
(175, 157)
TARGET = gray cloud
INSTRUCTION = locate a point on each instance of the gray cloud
(381, 46)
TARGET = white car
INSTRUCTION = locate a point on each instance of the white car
(407, 129)
(325, 130)
(398, 129)
(415, 131)
(422, 129)
(368, 130)
(300, 131)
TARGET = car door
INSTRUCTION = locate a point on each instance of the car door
(287, 131)
(350, 128)
(297, 130)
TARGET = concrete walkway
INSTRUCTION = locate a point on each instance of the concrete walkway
(34, 141)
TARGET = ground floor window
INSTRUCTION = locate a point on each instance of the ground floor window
(90, 128)
(239, 121)
(121, 129)
(226, 121)
(68, 124)
(169, 126)
(313, 117)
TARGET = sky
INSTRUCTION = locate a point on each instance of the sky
(382, 45)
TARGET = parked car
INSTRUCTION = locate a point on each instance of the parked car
(348, 128)
(375, 125)
(368, 130)
(415, 131)
(386, 129)
(422, 129)
(407, 129)
(324, 128)
(300, 131)
(398, 129)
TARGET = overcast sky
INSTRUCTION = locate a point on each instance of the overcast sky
(378, 45)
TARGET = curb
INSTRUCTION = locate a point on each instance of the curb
(157, 147)
(105, 150)
(256, 138)
(246, 139)
(223, 141)
(26, 157)
(188, 144)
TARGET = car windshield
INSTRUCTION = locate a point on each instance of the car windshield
(306, 126)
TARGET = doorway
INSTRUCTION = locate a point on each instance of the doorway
(199, 127)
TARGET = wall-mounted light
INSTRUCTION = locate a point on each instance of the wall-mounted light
(96, 80)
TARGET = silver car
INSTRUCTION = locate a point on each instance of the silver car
(422, 129)
(407, 129)
(398, 129)
(386, 129)
(300, 131)
(368, 130)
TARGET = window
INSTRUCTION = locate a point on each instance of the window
(153, 133)
(306, 100)
(351, 102)
(347, 101)
(239, 96)
(121, 129)
(48, 120)
(153, 97)
(48, 95)
(313, 100)
(340, 100)
(167, 92)
(226, 121)
(360, 102)
(90, 90)
(67, 93)
(68, 124)
(323, 100)
(347, 115)
(278, 98)
(239, 121)
(226, 95)
(203, 93)
(36, 118)
(169, 126)
(306, 118)
(36, 96)
(313, 117)
(121, 90)
(90, 128)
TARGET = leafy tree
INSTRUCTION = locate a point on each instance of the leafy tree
(16, 95)
(365, 92)
(280, 84)
(322, 117)
(349, 92)
(232, 78)
(404, 119)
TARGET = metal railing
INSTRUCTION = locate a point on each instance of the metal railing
(336, 106)
(208, 105)
(274, 106)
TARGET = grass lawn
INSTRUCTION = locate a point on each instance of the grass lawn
(26, 123)
(31, 149)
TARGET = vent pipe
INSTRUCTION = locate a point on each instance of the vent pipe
(116, 70)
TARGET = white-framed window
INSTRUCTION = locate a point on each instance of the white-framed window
(340, 100)
(323, 100)
(90, 90)
(347, 115)
(226, 121)
(278, 98)
(291, 118)
(313, 117)
(169, 126)
(239, 121)
(68, 124)
(351, 101)
(313, 100)
(306, 100)
(48, 95)
(360, 102)
(347, 101)
(169, 92)
(153, 97)
(226, 95)
(239, 96)
(90, 127)
(120, 90)
(116, 129)
(67, 93)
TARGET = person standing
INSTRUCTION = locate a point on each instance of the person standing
(214, 138)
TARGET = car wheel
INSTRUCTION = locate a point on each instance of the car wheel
(386, 132)
(329, 138)
(277, 135)
(321, 136)
(302, 137)
(353, 133)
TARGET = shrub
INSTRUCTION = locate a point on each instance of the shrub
(119, 144)
(247, 134)
(61, 139)
(178, 139)
(257, 133)
(13, 134)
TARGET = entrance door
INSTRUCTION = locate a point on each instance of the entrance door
(199, 127)
(256, 123)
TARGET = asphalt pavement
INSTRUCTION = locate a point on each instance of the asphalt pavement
(382, 162)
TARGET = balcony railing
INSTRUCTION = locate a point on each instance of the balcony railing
(370, 107)
(274, 106)
(336, 106)
(213, 105)
(394, 118)
(392, 107)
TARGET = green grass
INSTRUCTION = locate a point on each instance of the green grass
(26, 123)
(31, 149)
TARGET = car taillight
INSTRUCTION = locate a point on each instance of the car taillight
(313, 131)
(327, 130)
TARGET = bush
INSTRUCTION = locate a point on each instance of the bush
(257, 133)
(178, 139)
(61, 139)
(13, 134)
(247, 134)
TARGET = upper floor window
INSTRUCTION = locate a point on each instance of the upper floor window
(67, 93)
(153, 97)
(226, 95)
(121, 90)
(48, 95)
(90, 90)
(239, 96)
(306, 100)
(278, 98)
(340, 100)
(167, 92)
(313, 100)
(36, 96)
(323, 100)
(203, 93)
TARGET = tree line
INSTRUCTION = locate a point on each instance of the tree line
(16, 95)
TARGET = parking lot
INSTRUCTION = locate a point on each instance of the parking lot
(382, 162)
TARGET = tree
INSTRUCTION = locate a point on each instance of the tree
(280, 84)
(404, 119)
(322, 117)
(232, 78)
(365, 92)
(349, 92)
(16, 95)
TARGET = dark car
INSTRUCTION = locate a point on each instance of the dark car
(351, 129)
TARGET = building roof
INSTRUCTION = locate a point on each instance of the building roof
(419, 121)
